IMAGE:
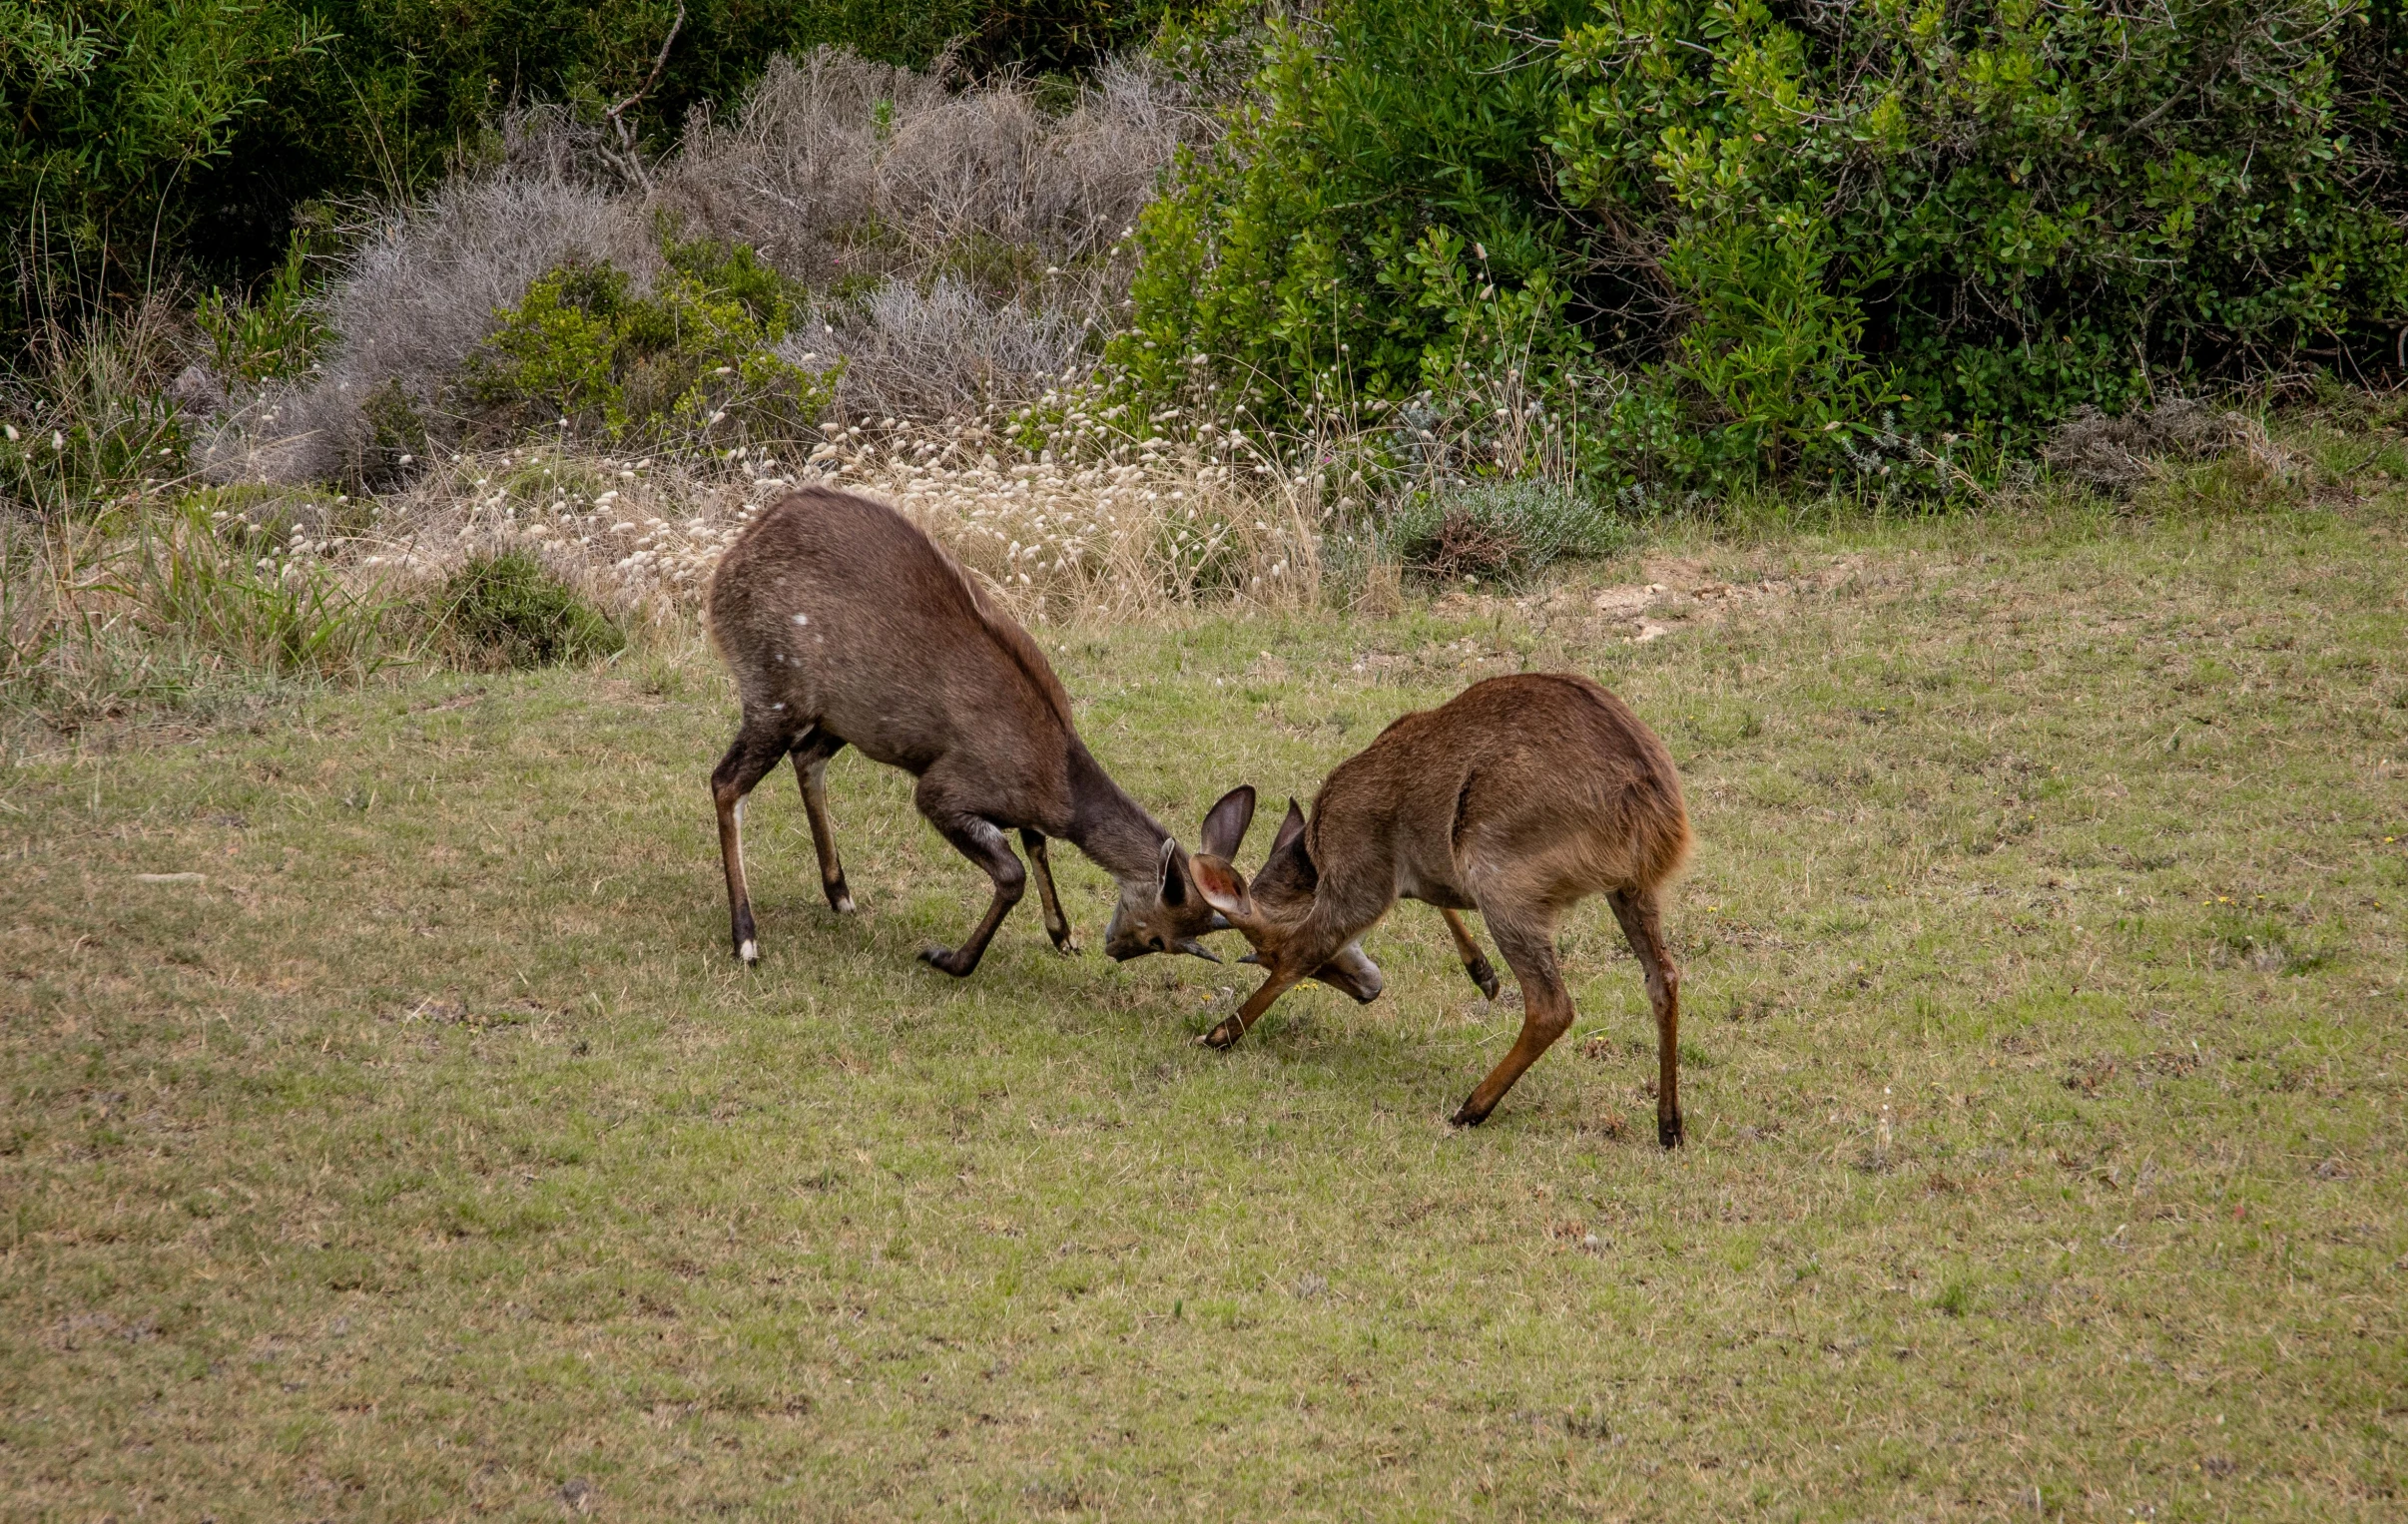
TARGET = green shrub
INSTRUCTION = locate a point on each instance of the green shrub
(1502, 532)
(267, 337)
(696, 358)
(507, 611)
(1790, 237)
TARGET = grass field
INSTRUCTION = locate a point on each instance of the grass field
(429, 1156)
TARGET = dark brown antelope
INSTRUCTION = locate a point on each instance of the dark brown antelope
(1517, 798)
(844, 625)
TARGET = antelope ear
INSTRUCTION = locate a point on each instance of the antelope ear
(1221, 887)
(1225, 825)
(1289, 854)
(1290, 828)
(1174, 874)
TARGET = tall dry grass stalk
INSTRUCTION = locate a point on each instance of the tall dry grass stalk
(1073, 506)
(1147, 524)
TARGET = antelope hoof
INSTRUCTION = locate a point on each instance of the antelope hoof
(1464, 1116)
(840, 898)
(748, 952)
(1222, 1036)
(1667, 1130)
(1484, 976)
(1067, 944)
(943, 959)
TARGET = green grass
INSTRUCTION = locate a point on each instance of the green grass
(2044, 992)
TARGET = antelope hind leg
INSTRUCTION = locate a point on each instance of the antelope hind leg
(811, 770)
(1546, 1012)
(755, 750)
(1641, 915)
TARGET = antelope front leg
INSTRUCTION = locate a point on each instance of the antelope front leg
(982, 844)
(1641, 915)
(1234, 1027)
(1057, 926)
(1476, 963)
(811, 770)
(1547, 1013)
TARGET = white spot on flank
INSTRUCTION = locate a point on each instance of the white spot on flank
(801, 619)
(749, 951)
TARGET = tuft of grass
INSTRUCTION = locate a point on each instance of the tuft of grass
(84, 420)
(505, 611)
(179, 608)
(1504, 532)
(233, 590)
(2263, 940)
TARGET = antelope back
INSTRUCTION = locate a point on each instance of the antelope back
(1537, 787)
(841, 611)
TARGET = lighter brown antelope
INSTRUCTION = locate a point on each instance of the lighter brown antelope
(1519, 798)
(844, 625)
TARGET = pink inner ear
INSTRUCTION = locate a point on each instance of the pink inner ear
(1223, 890)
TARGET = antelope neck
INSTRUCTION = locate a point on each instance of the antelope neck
(1113, 829)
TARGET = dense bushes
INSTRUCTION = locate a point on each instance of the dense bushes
(1765, 233)
(907, 251)
(142, 135)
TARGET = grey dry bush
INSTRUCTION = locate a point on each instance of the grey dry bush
(938, 350)
(841, 171)
(965, 244)
(958, 245)
(417, 298)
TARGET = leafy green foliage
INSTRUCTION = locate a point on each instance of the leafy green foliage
(695, 356)
(2013, 207)
(1777, 230)
(269, 336)
(507, 611)
(1327, 246)
(117, 115)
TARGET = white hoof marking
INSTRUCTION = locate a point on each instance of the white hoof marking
(749, 951)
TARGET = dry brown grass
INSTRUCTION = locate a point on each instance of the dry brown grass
(1167, 525)
(408, 1145)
